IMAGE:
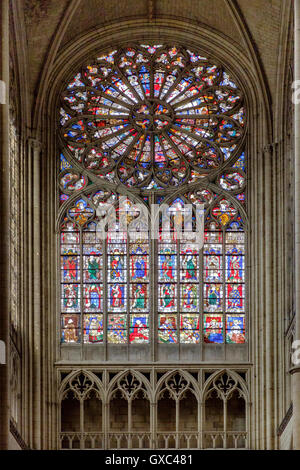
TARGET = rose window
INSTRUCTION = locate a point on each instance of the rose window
(152, 117)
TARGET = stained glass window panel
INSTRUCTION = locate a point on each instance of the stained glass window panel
(93, 328)
(213, 328)
(139, 329)
(189, 329)
(117, 328)
(167, 329)
(148, 119)
(70, 328)
(235, 328)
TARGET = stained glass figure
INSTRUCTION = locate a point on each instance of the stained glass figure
(232, 180)
(72, 181)
(139, 267)
(213, 328)
(117, 297)
(189, 329)
(70, 266)
(188, 264)
(117, 329)
(224, 211)
(189, 298)
(70, 297)
(213, 268)
(167, 263)
(213, 297)
(139, 297)
(70, 332)
(93, 328)
(167, 297)
(234, 268)
(235, 328)
(81, 212)
(139, 329)
(117, 267)
(167, 329)
(92, 297)
(235, 298)
(92, 268)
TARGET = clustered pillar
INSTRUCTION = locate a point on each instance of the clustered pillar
(296, 368)
(4, 212)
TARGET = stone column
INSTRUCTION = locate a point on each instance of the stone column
(296, 369)
(4, 212)
(35, 317)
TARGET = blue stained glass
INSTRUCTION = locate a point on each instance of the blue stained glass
(213, 328)
(117, 298)
(92, 297)
(139, 268)
(64, 164)
(167, 267)
(189, 297)
(235, 329)
(93, 328)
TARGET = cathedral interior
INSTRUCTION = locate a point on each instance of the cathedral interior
(144, 336)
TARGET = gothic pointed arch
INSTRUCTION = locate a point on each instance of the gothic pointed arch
(175, 383)
(129, 383)
(224, 382)
(81, 382)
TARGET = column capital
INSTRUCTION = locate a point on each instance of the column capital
(35, 143)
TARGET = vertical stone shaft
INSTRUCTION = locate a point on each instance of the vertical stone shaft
(296, 370)
(36, 325)
(4, 211)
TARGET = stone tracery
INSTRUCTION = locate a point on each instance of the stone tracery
(152, 116)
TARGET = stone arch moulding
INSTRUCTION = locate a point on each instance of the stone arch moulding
(225, 391)
(115, 384)
(209, 383)
(67, 385)
(192, 384)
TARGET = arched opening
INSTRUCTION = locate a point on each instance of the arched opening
(144, 134)
(92, 411)
(70, 413)
(140, 413)
(236, 420)
(225, 414)
(188, 420)
(129, 142)
(213, 420)
(166, 415)
(188, 412)
(140, 421)
(118, 413)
